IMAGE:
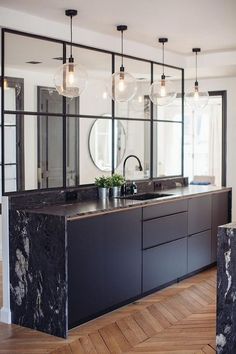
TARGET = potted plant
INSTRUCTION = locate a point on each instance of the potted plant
(103, 183)
(117, 182)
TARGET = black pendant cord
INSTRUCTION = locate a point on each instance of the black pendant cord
(71, 36)
(196, 70)
(163, 59)
(122, 49)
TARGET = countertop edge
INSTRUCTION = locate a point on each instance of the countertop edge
(143, 204)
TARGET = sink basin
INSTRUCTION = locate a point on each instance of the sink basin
(146, 196)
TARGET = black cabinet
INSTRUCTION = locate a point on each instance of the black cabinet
(164, 229)
(104, 263)
(163, 209)
(164, 263)
(199, 250)
(122, 256)
(221, 214)
(199, 214)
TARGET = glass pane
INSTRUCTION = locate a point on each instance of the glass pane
(10, 178)
(203, 142)
(137, 142)
(50, 151)
(167, 149)
(10, 119)
(95, 149)
(139, 105)
(172, 111)
(10, 144)
(72, 151)
(34, 62)
(98, 68)
(38, 152)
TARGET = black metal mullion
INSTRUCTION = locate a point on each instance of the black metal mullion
(2, 108)
(151, 130)
(182, 156)
(64, 149)
(113, 119)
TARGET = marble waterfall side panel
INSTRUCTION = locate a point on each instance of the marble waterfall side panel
(226, 290)
(38, 274)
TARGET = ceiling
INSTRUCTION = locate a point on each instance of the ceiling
(209, 24)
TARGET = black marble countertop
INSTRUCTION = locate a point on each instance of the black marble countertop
(75, 209)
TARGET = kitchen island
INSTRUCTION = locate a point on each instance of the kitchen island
(226, 290)
(73, 261)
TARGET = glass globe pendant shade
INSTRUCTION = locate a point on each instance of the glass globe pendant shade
(70, 80)
(122, 87)
(162, 92)
(197, 100)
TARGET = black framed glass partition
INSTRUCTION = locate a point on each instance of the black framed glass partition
(60, 142)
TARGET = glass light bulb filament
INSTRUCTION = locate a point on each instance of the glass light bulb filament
(163, 88)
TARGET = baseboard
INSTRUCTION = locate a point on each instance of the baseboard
(5, 315)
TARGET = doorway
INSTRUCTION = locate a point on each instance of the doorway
(50, 140)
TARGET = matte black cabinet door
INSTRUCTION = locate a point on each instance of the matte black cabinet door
(199, 214)
(199, 250)
(86, 267)
(220, 216)
(164, 263)
(123, 256)
(104, 263)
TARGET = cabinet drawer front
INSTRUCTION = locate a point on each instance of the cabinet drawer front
(199, 214)
(165, 229)
(199, 250)
(164, 263)
(158, 210)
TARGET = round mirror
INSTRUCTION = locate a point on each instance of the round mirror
(100, 143)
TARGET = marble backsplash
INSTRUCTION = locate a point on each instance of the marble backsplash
(40, 198)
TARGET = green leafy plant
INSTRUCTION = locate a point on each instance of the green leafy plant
(103, 182)
(117, 180)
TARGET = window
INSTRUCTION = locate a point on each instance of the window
(204, 140)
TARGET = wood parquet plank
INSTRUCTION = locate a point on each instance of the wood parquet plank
(176, 320)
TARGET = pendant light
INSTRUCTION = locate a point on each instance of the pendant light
(162, 92)
(70, 79)
(122, 86)
(196, 99)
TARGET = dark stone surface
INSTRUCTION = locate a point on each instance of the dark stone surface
(226, 290)
(39, 199)
(38, 273)
(91, 207)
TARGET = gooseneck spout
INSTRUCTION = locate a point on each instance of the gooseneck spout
(134, 156)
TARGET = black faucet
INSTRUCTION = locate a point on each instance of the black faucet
(125, 160)
(124, 164)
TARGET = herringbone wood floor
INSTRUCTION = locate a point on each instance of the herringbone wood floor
(176, 320)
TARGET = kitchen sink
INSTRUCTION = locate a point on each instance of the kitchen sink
(146, 196)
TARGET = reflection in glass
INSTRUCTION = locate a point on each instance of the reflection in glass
(167, 149)
(100, 142)
(72, 151)
(33, 156)
(137, 143)
(98, 67)
(172, 112)
(34, 60)
(88, 169)
(136, 107)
